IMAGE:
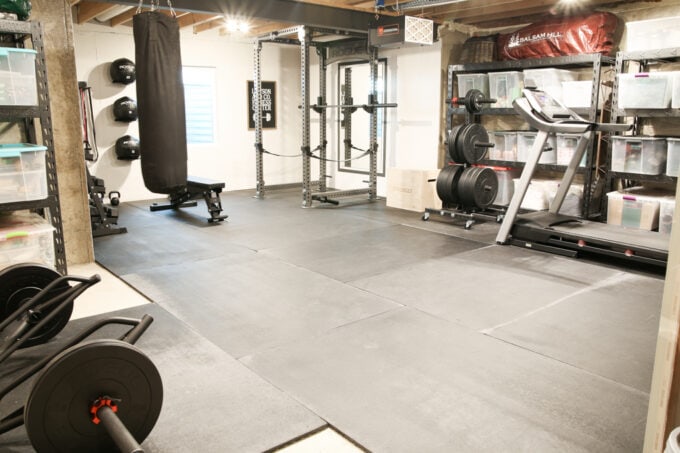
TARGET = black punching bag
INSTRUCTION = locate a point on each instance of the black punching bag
(160, 102)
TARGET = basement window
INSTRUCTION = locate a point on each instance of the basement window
(199, 99)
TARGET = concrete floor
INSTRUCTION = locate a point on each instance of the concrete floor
(402, 335)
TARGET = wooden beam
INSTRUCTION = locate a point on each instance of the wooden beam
(196, 19)
(89, 10)
(209, 25)
(125, 17)
(74, 2)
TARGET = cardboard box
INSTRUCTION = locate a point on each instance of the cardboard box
(634, 208)
(412, 190)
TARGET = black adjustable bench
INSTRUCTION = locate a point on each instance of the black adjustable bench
(196, 188)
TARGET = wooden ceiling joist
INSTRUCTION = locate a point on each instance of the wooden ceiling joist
(89, 10)
(124, 18)
(205, 15)
(196, 19)
(209, 25)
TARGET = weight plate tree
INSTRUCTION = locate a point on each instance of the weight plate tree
(21, 282)
(62, 410)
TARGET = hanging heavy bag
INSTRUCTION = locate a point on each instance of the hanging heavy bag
(160, 102)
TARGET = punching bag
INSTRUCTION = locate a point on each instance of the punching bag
(160, 102)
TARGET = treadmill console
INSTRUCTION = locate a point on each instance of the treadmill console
(549, 108)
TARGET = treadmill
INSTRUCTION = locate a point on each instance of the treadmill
(566, 235)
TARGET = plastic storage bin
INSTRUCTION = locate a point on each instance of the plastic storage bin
(673, 156)
(26, 238)
(549, 80)
(506, 146)
(566, 146)
(525, 140)
(577, 93)
(645, 90)
(506, 185)
(467, 82)
(642, 155)
(536, 198)
(22, 173)
(653, 34)
(634, 208)
(505, 87)
(17, 77)
(666, 213)
(675, 95)
(573, 200)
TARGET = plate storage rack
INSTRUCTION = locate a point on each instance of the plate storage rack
(504, 79)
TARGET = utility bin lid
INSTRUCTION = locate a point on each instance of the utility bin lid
(8, 50)
(15, 149)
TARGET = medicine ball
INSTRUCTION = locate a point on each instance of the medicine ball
(122, 70)
(127, 148)
(125, 109)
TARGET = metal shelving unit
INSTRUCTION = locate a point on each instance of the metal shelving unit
(18, 34)
(593, 61)
(645, 59)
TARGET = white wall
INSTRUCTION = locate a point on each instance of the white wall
(232, 158)
(412, 130)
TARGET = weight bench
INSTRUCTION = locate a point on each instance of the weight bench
(196, 188)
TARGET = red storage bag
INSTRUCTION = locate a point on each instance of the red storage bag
(560, 36)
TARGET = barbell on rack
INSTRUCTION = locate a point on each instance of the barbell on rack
(368, 107)
(472, 101)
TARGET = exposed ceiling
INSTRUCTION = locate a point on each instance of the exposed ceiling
(265, 16)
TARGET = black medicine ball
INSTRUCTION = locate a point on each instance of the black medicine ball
(127, 148)
(122, 70)
(125, 109)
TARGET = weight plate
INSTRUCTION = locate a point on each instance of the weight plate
(465, 190)
(478, 187)
(468, 139)
(57, 412)
(447, 182)
(451, 144)
(21, 282)
(472, 103)
(486, 188)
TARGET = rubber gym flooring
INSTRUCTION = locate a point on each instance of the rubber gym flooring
(403, 335)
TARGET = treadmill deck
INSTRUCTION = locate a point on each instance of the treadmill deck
(570, 232)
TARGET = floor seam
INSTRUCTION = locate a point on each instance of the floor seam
(571, 365)
(606, 282)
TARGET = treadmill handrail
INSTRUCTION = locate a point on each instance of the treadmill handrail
(522, 106)
(531, 109)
